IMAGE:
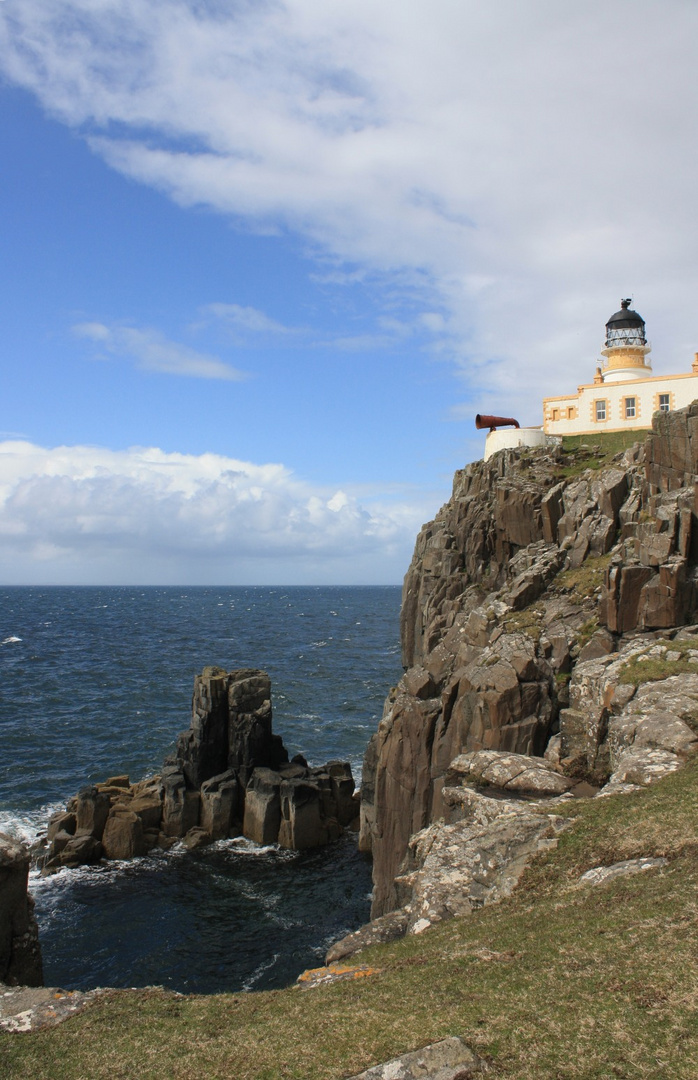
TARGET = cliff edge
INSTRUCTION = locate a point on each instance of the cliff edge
(546, 574)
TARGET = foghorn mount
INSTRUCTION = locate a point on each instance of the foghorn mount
(494, 422)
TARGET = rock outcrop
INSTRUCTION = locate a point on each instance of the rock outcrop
(230, 776)
(530, 602)
(20, 955)
(450, 1059)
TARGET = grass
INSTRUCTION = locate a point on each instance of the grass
(655, 668)
(587, 631)
(527, 621)
(556, 983)
(596, 451)
(580, 584)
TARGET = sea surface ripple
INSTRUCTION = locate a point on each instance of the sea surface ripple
(98, 681)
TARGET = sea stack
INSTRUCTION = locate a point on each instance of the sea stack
(229, 776)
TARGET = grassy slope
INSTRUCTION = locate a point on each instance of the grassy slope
(557, 982)
(608, 444)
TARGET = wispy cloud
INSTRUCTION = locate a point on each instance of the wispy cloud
(152, 351)
(507, 159)
(247, 318)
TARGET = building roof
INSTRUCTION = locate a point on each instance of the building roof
(626, 317)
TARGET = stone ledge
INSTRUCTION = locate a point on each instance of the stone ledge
(450, 1059)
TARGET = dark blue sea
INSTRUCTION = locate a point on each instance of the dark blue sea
(98, 681)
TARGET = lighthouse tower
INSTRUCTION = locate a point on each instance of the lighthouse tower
(626, 348)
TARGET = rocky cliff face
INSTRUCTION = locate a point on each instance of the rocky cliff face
(20, 956)
(540, 562)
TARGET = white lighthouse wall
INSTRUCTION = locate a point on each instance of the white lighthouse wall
(576, 414)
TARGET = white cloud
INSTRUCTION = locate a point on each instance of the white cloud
(86, 513)
(153, 352)
(521, 166)
(247, 318)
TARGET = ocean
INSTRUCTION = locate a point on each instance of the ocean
(98, 681)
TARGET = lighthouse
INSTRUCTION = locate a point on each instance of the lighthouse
(625, 393)
(626, 349)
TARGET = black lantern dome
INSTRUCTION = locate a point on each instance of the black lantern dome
(626, 327)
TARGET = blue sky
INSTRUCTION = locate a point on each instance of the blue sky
(262, 264)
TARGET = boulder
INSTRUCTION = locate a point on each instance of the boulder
(516, 773)
(121, 781)
(220, 798)
(80, 849)
(91, 811)
(59, 841)
(303, 824)
(263, 807)
(450, 1059)
(63, 822)
(196, 838)
(123, 836)
(467, 804)
(601, 875)
(386, 928)
(180, 811)
(643, 766)
(149, 809)
(151, 839)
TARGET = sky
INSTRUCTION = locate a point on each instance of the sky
(263, 262)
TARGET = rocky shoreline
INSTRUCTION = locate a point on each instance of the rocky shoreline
(551, 651)
(230, 776)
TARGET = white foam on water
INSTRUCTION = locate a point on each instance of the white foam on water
(258, 972)
(28, 825)
(10, 640)
(240, 845)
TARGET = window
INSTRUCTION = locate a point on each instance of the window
(664, 403)
(630, 408)
(600, 410)
(571, 412)
(555, 414)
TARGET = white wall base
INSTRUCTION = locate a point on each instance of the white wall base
(510, 438)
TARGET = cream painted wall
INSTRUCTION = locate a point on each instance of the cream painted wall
(575, 414)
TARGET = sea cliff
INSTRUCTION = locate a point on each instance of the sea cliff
(543, 577)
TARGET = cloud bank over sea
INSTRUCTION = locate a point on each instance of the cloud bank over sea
(324, 235)
(144, 516)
